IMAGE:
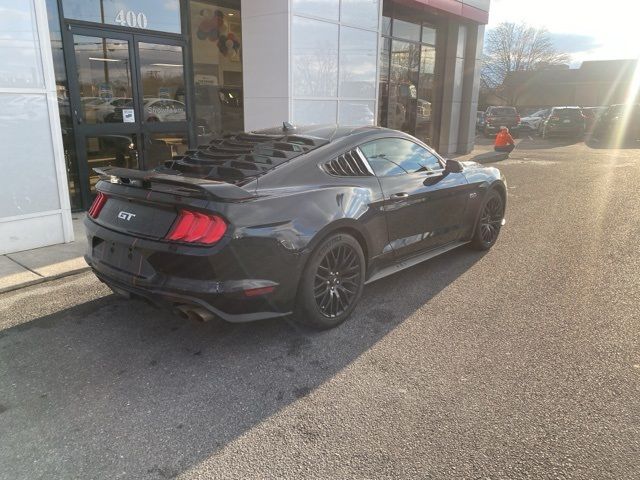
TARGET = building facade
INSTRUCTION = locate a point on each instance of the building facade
(131, 83)
(596, 83)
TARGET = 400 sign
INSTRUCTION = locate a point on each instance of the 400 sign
(131, 19)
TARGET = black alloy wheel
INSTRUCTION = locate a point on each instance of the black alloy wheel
(337, 280)
(490, 222)
(332, 282)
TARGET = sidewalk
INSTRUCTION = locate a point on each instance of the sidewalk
(26, 268)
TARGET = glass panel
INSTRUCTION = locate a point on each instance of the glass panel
(217, 67)
(392, 156)
(315, 58)
(146, 14)
(26, 131)
(104, 77)
(383, 87)
(403, 92)
(162, 147)
(21, 65)
(386, 18)
(406, 30)
(64, 106)
(462, 41)
(318, 8)
(310, 112)
(356, 113)
(162, 75)
(361, 13)
(358, 50)
(428, 35)
(110, 151)
(424, 118)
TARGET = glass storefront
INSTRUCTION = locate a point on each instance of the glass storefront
(407, 91)
(141, 81)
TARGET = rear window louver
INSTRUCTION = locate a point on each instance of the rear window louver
(238, 158)
(348, 164)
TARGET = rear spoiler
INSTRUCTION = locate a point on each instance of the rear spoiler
(140, 178)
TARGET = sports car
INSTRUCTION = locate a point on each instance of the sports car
(290, 221)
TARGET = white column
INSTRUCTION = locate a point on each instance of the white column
(34, 199)
(265, 62)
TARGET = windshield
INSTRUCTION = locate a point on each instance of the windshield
(503, 111)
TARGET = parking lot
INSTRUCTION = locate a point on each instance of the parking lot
(523, 362)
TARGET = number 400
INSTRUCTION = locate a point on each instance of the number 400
(131, 19)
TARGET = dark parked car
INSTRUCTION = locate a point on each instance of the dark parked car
(564, 122)
(286, 220)
(619, 123)
(496, 117)
(592, 117)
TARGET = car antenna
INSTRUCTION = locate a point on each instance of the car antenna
(287, 126)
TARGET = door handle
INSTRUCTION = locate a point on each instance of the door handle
(400, 195)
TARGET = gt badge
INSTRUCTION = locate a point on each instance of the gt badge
(126, 215)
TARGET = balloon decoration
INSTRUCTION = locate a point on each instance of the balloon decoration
(214, 27)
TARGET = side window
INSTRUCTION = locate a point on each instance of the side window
(395, 156)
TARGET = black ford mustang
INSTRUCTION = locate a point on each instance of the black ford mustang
(287, 220)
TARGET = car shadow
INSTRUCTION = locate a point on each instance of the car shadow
(111, 385)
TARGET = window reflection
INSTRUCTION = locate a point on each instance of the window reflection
(314, 58)
(356, 113)
(104, 77)
(403, 81)
(162, 73)
(19, 49)
(361, 13)
(358, 49)
(162, 147)
(407, 80)
(424, 108)
(216, 47)
(111, 151)
(318, 8)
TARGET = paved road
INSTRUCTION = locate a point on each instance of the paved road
(520, 363)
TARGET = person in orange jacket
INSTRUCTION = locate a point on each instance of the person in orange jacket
(504, 141)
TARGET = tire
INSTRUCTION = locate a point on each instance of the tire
(326, 297)
(489, 222)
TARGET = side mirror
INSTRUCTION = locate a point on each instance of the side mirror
(453, 166)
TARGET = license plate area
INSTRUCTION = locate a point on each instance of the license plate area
(124, 258)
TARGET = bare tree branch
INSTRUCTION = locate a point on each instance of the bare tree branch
(512, 47)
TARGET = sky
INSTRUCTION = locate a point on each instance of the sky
(585, 29)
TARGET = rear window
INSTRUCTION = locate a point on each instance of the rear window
(503, 111)
(567, 113)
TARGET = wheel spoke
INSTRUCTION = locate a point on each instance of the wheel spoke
(337, 280)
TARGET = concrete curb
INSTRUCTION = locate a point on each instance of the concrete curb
(37, 281)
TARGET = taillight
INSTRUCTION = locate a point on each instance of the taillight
(489, 119)
(196, 227)
(97, 205)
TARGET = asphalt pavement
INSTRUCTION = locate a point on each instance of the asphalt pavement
(523, 362)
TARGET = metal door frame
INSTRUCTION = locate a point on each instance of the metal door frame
(140, 128)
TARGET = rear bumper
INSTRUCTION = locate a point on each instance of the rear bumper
(215, 279)
(496, 128)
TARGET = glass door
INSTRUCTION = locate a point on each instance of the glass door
(163, 106)
(128, 102)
